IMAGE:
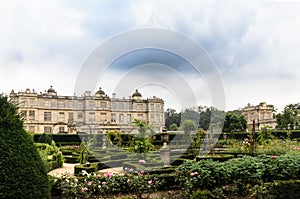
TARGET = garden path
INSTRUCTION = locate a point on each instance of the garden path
(70, 169)
(67, 167)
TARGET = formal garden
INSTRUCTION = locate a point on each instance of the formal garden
(264, 164)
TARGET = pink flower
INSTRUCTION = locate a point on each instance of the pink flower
(83, 189)
(89, 183)
(103, 183)
(128, 181)
(141, 173)
(142, 161)
(194, 173)
(273, 156)
(298, 149)
(150, 182)
(98, 175)
(108, 174)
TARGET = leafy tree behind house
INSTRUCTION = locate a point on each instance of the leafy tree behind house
(234, 122)
(289, 118)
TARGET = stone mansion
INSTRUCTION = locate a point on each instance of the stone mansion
(51, 113)
(262, 115)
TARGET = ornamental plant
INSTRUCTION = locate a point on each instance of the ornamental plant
(95, 184)
(141, 143)
(23, 174)
(205, 174)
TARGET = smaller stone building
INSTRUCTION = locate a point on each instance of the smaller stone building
(262, 115)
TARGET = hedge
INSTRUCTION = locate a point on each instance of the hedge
(23, 173)
(90, 168)
(218, 157)
(284, 189)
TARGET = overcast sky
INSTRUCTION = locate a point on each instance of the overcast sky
(254, 45)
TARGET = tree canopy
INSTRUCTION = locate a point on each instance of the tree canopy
(289, 118)
(172, 117)
(234, 122)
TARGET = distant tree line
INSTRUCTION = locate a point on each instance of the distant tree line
(204, 117)
(234, 121)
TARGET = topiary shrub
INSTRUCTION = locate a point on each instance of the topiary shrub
(22, 171)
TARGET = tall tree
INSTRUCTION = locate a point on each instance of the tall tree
(172, 117)
(289, 118)
(187, 127)
(205, 117)
(234, 122)
(23, 174)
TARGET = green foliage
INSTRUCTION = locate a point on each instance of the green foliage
(241, 174)
(115, 136)
(23, 174)
(284, 167)
(205, 174)
(91, 185)
(265, 135)
(205, 116)
(234, 122)
(56, 157)
(197, 142)
(245, 170)
(141, 143)
(285, 189)
(85, 151)
(289, 118)
(201, 194)
(280, 147)
(187, 127)
(171, 117)
(45, 138)
(173, 127)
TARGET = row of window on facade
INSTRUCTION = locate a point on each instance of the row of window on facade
(90, 104)
(91, 117)
(262, 116)
(47, 129)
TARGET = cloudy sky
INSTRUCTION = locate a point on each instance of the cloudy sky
(254, 45)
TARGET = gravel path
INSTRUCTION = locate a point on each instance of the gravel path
(70, 169)
(66, 168)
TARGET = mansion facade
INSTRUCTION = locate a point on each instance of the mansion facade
(51, 113)
(262, 115)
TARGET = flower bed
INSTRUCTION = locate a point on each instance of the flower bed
(240, 177)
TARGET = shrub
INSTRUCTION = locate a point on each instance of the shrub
(246, 170)
(205, 174)
(90, 167)
(91, 185)
(285, 189)
(284, 167)
(22, 171)
(203, 194)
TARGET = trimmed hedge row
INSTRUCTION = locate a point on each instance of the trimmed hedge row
(240, 172)
(280, 134)
(276, 190)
